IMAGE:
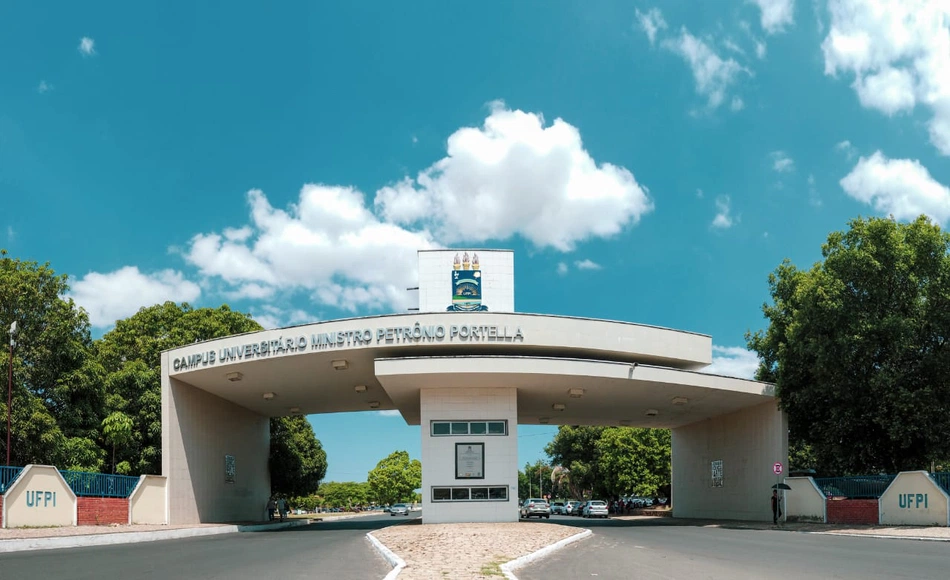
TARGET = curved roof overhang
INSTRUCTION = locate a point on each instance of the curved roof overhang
(323, 367)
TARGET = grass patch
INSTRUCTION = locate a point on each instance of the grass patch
(493, 568)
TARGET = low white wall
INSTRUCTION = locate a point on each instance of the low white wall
(914, 499)
(148, 502)
(804, 502)
(39, 497)
(438, 453)
(748, 443)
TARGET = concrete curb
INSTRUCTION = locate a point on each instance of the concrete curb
(112, 539)
(508, 567)
(882, 536)
(395, 561)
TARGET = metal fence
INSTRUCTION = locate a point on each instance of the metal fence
(942, 479)
(855, 487)
(100, 484)
(7, 476)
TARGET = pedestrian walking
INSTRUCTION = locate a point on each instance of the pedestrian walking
(776, 507)
(271, 508)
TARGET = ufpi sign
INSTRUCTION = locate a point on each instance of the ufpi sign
(912, 500)
(38, 498)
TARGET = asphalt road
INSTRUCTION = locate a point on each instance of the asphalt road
(653, 550)
(337, 550)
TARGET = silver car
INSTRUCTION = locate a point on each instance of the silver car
(535, 507)
(595, 509)
(399, 509)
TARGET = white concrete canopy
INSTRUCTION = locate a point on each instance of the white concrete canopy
(520, 368)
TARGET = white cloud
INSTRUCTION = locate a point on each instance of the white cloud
(760, 49)
(10, 233)
(44, 87)
(271, 317)
(119, 294)
(899, 187)
(899, 54)
(713, 75)
(733, 361)
(699, 193)
(389, 413)
(561, 268)
(516, 176)
(781, 162)
(651, 22)
(813, 197)
(723, 219)
(737, 104)
(776, 14)
(587, 264)
(847, 148)
(87, 46)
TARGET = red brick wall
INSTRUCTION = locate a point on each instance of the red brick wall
(853, 511)
(98, 511)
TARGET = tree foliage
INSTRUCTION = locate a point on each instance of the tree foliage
(536, 481)
(297, 459)
(49, 366)
(343, 494)
(602, 462)
(858, 347)
(395, 478)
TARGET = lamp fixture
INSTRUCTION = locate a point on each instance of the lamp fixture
(340, 364)
(374, 404)
(680, 400)
(652, 413)
(544, 420)
(295, 410)
(360, 388)
(558, 406)
(234, 377)
(269, 396)
(575, 393)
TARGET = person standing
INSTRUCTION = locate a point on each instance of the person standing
(271, 507)
(776, 507)
(282, 508)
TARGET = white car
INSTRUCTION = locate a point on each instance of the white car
(400, 509)
(595, 509)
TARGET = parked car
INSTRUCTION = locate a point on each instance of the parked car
(578, 509)
(595, 509)
(557, 508)
(535, 507)
(399, 509)
(569, 507)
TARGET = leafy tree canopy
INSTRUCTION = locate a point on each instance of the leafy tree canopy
(395, 478)
(297, 460)
(343, 494)
(604, 462)
(858, 348)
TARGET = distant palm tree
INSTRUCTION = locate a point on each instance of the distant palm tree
(561, 477)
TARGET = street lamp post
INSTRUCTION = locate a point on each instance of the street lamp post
(10, 388)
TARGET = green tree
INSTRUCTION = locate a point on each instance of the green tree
(535, 480)
(575, 449)
(343, 494)
(634, 461)
(49, 367)
(858, 347)
(395, 478)
(117, 431)
(297, 460)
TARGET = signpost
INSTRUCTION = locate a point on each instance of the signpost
(777, 468)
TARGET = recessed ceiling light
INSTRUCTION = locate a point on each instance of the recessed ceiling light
(544, 420)
(269, 396)
(234, 377)
(360, 388)
(680, 400)
(340, 364)
(295, 410)
(374, 404)
(558, 406)
(652, 413)
(576, 393)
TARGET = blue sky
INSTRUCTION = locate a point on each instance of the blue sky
(647, 161)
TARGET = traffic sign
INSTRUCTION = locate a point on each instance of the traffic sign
(777, 468)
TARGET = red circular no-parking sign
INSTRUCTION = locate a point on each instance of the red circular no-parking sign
(777, 468)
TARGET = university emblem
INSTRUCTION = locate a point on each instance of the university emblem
(466, 284)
